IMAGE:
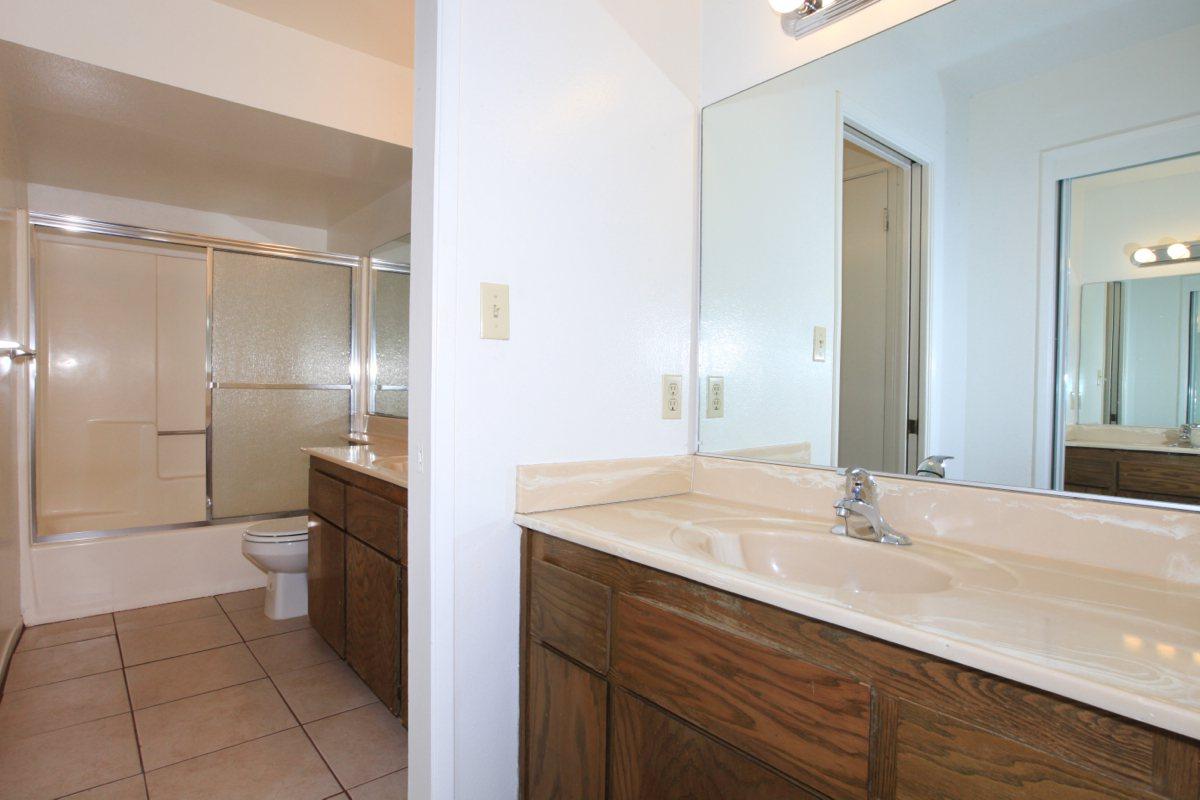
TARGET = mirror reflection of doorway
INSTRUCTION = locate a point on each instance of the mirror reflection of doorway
(879, 333)
(1130, 285)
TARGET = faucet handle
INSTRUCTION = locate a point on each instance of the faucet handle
(860, 485)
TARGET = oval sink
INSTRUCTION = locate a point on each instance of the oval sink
(808, 553)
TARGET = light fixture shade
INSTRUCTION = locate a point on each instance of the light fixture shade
(1179, 251)
(1144, 255)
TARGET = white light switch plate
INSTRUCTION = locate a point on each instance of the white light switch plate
(819, 343)
(672, 397)
(493, 311)
(714, 403)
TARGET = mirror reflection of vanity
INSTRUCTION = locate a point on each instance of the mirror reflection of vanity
(388, 362)
(975, 235)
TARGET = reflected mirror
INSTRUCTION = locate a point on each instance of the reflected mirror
(965, 248)
(390, 268)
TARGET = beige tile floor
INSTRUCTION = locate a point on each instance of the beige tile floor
(204, 698)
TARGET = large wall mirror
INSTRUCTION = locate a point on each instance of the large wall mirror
(389, 276)
(967, 247)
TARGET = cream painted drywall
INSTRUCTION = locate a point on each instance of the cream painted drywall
(129, 211)
(743, 44)
(211, 48)
(78, 579)
(388, 218)
(13, 328)
(382, 28)
(563, 164)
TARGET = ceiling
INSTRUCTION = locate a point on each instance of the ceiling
(382, 28)
(83, 127)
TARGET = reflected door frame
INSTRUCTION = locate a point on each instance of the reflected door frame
(911, 252)
(1155, 142)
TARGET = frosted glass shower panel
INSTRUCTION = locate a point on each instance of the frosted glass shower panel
(280, 321)
(281, 349)
(257, 435)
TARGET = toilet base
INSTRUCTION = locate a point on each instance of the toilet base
(287, 595)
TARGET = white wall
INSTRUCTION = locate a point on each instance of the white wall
(563, 164)
(12, 383)
(1010, 127)
(220, 51)
(771, 235)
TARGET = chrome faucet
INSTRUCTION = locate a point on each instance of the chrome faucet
(1185, 436)
(860, 511)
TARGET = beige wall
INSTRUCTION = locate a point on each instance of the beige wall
(12, 198)
(207, 47)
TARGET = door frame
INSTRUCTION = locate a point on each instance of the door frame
(907, 266)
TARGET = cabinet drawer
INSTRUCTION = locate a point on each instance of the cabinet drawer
(1178, 476)
(327, 497)
(939, 756)
(378, 522)
(804, 720)
(1085, 467)
(570, 613)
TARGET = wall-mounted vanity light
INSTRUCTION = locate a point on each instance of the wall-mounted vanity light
(799, 17)
(1176, 253)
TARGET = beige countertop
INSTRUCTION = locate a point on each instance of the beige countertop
(377, 462)
(1125, 642)
(1149, 448)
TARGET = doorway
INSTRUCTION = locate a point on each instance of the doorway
(879, 376)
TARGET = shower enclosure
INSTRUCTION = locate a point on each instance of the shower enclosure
(179, 375)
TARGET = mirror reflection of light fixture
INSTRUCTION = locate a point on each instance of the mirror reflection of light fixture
(799, 17)
(1158, 255)
(1179, 251)
(1144, 255)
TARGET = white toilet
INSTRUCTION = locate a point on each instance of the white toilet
(279, 547)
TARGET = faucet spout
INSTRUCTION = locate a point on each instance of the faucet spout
(860, 512)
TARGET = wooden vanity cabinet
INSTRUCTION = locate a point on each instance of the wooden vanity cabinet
(640, 685)
(1142, 474)
(357, 581)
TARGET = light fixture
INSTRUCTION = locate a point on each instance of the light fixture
(1179, 251)
(1162, 254)
(799, 17)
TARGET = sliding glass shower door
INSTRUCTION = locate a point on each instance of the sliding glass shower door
(178, 377)
(281, 349)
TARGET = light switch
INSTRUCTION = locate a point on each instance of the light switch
(672, 397)
(493, 311)
(819, 342)
(715, 394)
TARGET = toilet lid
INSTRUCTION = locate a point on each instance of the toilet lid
(275, 529)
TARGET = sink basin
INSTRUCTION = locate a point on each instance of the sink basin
(799, 552)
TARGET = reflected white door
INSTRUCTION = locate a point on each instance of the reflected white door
(863, 391)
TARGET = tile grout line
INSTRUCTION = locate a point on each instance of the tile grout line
(137, 736)
(304, 730)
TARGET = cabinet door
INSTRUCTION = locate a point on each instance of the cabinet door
(565, 729)
(327, 582)
(373, 620)
(657, 757)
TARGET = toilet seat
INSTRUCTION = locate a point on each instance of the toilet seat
(278, 531)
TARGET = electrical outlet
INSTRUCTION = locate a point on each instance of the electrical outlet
(672, 397)
(819, 343)
(715, 394)
(493, 311)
